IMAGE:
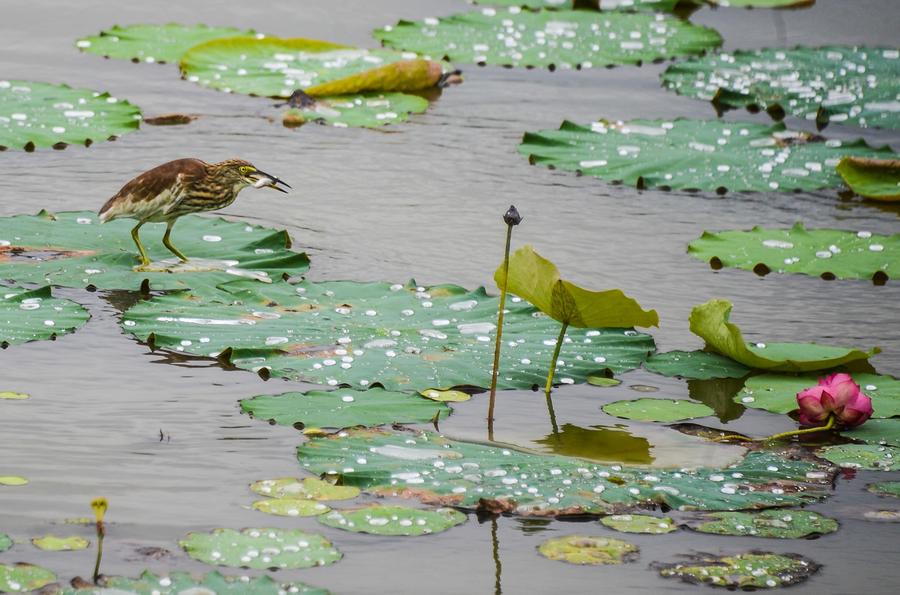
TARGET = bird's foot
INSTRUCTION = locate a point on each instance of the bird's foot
(300, 100)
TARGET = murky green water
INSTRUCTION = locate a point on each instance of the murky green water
(422, 200)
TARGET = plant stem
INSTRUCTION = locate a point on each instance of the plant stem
(552, 416)
(495, 550)
(101, 532)
(829, 425)
(555, 358)
(499, 341)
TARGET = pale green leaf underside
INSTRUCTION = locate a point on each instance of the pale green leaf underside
(393, 520)
(311, 488)
(56, 543)
(260, 548)
(877, 179)
(590, 550)
(35, 315)
(152, 43)
(639, 523)
(291, 507)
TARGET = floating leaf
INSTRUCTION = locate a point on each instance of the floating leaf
(290, 507)
(311, 488)
(12, 480)
(878, 179)
(709, 321)
(152, 43)
(22, 578)
(9, 395)
(603, 5)
(368, 110)
(885, 488)
(853, 85)
(260, 548)
(603, 381)
(708, 155)
(763, 3)
(402, 337)
(665, 410)
(876, 431)
(696, 365)
(72, 249)
(445, 396)
(760, 570)
(773, 524)
(861, 456)
(35, 315)
(5, 542)
(182, 583)
(556, 39)
(41, 115)
(584, 549)
(826, 253)
(55, 543)
(393, 520)
(437, 470)
(883, 516)
(343, 408)
(639, 523)
(778, 394)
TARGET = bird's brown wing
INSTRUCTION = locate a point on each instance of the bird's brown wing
(151, 184)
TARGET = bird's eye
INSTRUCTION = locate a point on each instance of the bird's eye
(246, 169)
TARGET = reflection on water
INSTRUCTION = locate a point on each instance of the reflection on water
(718, 393)
(599, 443)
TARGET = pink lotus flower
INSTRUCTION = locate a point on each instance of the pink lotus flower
(836, 395)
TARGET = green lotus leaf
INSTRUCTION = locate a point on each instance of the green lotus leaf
(5, 542)
(709, 321)
(885, 488)
(762, 3)
(12, 480)
(393, 520)
(360, 334)
(469, 475)
(778, 394)
(260, 548)
(13, 396)
(23, 578)
(72, 249)
(772, 524)
(536, 280)
(182, 583)
(557, 39)
(848, 85)
(55, 543)
(41, 115)
(665, 410)
(876, 431)
(311, 488)
(708, 155)
(750, 570)
(152, 43)
(35, 315)
(290, 507)
(871, 457)
(826, 253)
(585, 549)
(603, 381)
(603, 5)
(445, 396)
(343, 408)
(639, 523)
(877, 179)
(368, 110)
(696, 365)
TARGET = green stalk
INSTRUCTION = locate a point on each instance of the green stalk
(552, 372)
(101, 532)
(829, 425)
(495, 550)
(511, 219)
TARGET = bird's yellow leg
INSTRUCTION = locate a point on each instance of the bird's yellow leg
(169, 245)
(145, 262)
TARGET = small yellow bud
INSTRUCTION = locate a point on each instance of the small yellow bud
(99, 505)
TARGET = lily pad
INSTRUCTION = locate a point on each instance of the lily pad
(772, 524)
(708, 155)
(445, 396)
(603, 5)
(696, 365)
(603, 381)
(877, 179)
(35, 315)
(709, 321)
(885, 488)
(41, 115)
(361, 334)
(826, 253)
(343, 408)
(557, 39)
(5, 542)
(22, 578)
(260, 548)
(585, 549)
(665, 410)
(13, 396)
(762, 3)
(393, 520)
(639, 523)
(758, 570)
(182, 583)
(851, 85)
(871, 457)
(12, 480)
(311, 488)
(55, 543)
(778, 393)
(72, 249)
(876, 431)
(152, 43)
(290, 507)
(437, 470)
(368, 110)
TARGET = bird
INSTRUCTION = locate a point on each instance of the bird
(168, 191)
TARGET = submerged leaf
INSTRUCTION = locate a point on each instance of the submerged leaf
(311, 488)
(750, 570)
(367, 110)
(35, 315)
(709, 321)
(862, 456)
(773, 524)
(23, 578)
(182, 583)
(878, 179)
(5, 542)
(664, 410)
(393, 520)
(696, 365)
(260, 548)
(152, 43)
(639, 523)
(290, 507)
(584, 549)
(54, 543)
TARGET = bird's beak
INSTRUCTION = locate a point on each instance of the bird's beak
(269, 181)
